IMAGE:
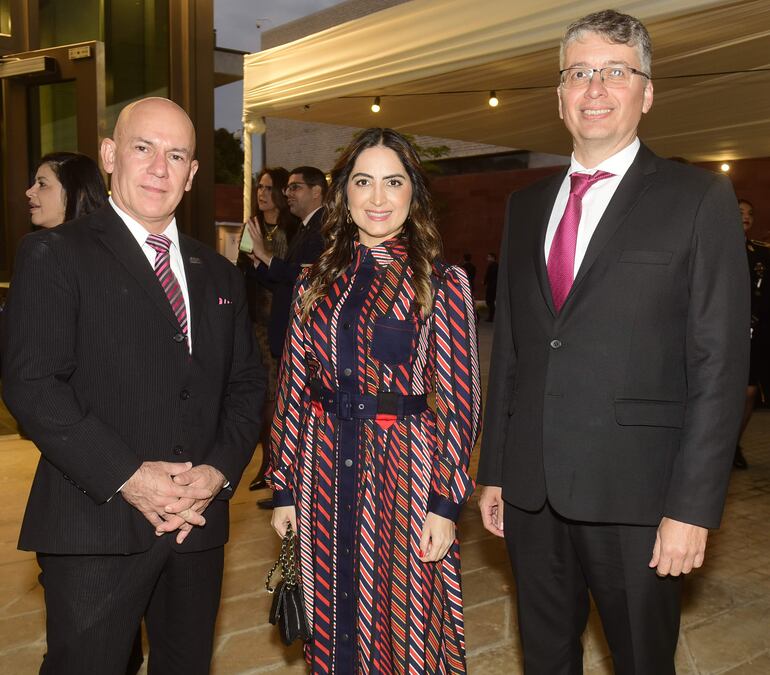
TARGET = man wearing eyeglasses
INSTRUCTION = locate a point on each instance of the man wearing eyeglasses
(305, 193)
(619, 367)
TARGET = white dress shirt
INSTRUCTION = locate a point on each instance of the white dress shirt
(175, 256)
(595, 201)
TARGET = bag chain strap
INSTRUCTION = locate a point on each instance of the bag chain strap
(287, 560)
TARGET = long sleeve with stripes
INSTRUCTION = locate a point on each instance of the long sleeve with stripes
(458, 393)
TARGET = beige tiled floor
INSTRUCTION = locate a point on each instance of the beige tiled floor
(726, 615)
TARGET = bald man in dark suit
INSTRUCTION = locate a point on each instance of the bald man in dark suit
(129, 360)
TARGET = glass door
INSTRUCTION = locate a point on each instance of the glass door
(53, 100)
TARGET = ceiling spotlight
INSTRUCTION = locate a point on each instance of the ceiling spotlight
(725, 167)
(376, 105)
(493, 101)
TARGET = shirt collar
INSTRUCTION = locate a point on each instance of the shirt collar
(616, 164)
(383, 254)
(307, 218)
(139, 232)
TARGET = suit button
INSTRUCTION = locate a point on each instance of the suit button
(179, 337)
(345, 595)
(184, 394)
(555, 344)
(346, 325)
(348, 463)
(347, 372)
(345, 637)
(177, 450)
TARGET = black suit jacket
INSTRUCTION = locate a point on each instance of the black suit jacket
(100, 378)
(625, 406)
(280, 277)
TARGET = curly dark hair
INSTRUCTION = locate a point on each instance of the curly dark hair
(422, 238)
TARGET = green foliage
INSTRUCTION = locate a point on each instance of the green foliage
(228, 158)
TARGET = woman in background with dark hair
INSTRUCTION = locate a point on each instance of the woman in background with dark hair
(66, 185)
(277, 225)
(370, 478)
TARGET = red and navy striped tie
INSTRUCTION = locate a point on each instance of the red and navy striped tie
(161, 244)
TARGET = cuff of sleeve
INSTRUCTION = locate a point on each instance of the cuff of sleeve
(443, 507)
(116, 492)
(283, 498)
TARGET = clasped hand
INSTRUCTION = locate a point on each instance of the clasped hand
(173, 495)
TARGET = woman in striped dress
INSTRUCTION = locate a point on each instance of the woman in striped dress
(370, 477)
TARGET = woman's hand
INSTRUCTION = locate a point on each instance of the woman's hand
(259, 252)
(438, 534)
(283, 516)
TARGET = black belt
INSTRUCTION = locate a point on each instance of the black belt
(348, 406)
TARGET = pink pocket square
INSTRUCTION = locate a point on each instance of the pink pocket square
(225, 301)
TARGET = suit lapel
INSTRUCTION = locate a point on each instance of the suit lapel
(195, 273)
(297, 242)
(551, 189)
(631, 188)
(116, 237)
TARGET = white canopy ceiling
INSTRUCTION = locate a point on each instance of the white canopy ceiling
(410, 53)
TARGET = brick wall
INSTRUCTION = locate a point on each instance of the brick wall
(471, 209)
(228, 203)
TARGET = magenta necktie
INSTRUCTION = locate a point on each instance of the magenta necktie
(161, 244)
(561, 257)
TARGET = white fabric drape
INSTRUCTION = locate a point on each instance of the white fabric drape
(427, 46)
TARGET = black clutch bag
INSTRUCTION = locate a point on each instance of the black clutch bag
(288, 610)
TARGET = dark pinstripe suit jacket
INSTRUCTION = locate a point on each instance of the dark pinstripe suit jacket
(99, 377)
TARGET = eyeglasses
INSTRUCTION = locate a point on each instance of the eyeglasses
(617, 77)
(293, 187)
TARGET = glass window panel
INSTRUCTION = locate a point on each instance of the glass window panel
(64, 22)
(5, 17)
(137, 54)
(135, 34)
(52, 123)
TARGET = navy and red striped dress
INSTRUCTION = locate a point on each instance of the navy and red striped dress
(362, 487)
